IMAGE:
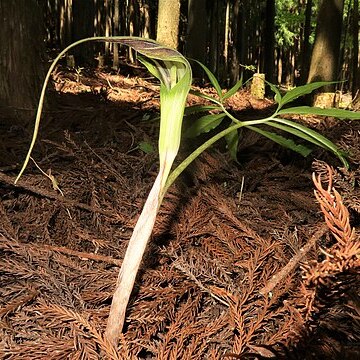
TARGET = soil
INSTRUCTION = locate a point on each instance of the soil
(241, 264)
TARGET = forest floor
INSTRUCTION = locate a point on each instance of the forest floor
(206, 289)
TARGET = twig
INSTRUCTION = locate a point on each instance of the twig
(82, 255)
(51, 177)
(52, 195)
(290, 266)
(188, 273)
(112, 170)
(20, 301)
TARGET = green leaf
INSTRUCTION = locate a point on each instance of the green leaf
(146, 147)
(297, 133)
(203, 96)
(151, 66)
(204, 125)
(232, 140)
(212, 78)
(338, 113)
(295, 93)
(312, 136)
(199, 109)
(233, 90)
(275, 89)
(285, 142)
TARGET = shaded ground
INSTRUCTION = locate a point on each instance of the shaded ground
(206, 289)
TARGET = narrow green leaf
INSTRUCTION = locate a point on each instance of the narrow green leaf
(303, 90)
(232, 140)
(283, 141)
(203, 96)
(204, 125)
(199, 109)
(233, 90)
(296, 133)
(275, 89)
(153, 69)
(314, 137)
(212, 78)
(338, 113)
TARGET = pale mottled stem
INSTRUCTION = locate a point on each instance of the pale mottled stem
(131, 263)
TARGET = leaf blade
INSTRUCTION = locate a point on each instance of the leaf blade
(204, 124)
(189, 110)
(234, 89)
(299, 91)
(312, 134)
(274, 89)
(232, 141)
(308, 110)
(212, 78)
(283, 141)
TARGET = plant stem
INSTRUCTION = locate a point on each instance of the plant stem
(185, 163)
(131, 263)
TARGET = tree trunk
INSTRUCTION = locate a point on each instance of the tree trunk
(214, 29)
(217, 40)
(269, 41)
(65, 22)
(168, 22)
(355, 38)
(83, 27)
(134, 29)
(108, 23)
(305, 53)
(234, 67)
(197, 29)
(324, 64)
(279, 63)
(224, 75)
(116, 22)
(244, 39)
(145, 21)
(21, 53)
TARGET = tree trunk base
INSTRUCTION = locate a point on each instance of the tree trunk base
(327, 100)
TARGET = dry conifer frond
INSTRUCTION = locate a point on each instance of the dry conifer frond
(19, 301)
(345, 253)
(345, 181)
(197, 296)
(328, 284)
(51, 348)
(62, 315)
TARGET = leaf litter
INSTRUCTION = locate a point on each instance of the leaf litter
(236, 269)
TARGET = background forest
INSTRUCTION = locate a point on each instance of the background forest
(274, 37)
(232, 37)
